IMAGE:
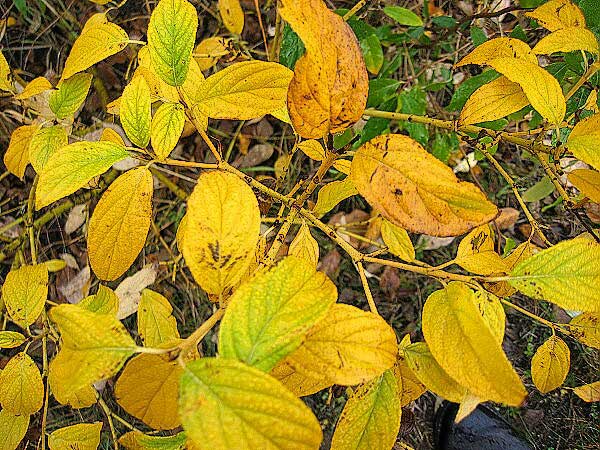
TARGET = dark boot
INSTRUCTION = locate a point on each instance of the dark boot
(483, 429)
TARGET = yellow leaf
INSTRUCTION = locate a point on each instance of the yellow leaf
(416, 191)
(430, 373)
(584, 141)
(24, 293)
(16, 157)
(397, 240)
(148, 389)
(11, 339)
(586, 329)
(465, 347)
(5, 76)
(222, 226)
(44, 143)
(94, 346)
(304, 246)
(244, 90)
(224, 401)
(268, 316)
(232, 15)
(81, 398)
(21, 387)
(542, 90)
(209, 51)
(313, 149)
(135, 110)
(171, 36)
(371, 417)
(83, 436)
(328, 92)
(348, 346)
(588, 182)
(333, 193)
(98, 41)
(110, 135)
(567, 274)
(156, 324)
(591, 104)
(550, 364)
(588, 392)
(503, 47)
(104, 302)
(476, 253)
(409, 386)
(298, 383)
(70, 95)
(120, 223)
(167, 126)
(492, 101)
(558, 14)
(135, 440)
(34, 87)
(12, 429)
(567, 40)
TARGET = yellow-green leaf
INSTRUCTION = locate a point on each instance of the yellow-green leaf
(16, 157)
(224, 402)
(397, 240)
(499, 48)
(21, 387)
(104, 302)
(34, 87)
(44, 143)
(371, 417)
(120, 223)
(492, 101)
(567, 274)
(148, 389)
(94, 346)
(588, 182)
(476, 253)
(83, 436)
(11, 339)
(171, 36)
(465, 347)
(416, 191)
(268, 316)
(584, 141)
(558, 14)
(136, 440)
(99, 40)
(135, 111)
(70, 95)
(542, 90)
(333, 193)
(567, 40)
(24, 293)
(12, 429)
(550, 364)
(349, 346)
(244, 90)
(222, 226)
(5, 76)
(232, 15)
(156, 324)
(588, 392)
(73, 166)
(409, 386)
(167, 126)
(304, 246)
(586, 329)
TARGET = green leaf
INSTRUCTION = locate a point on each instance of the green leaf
(224, 403)
(567, 274)
(403, 16)
(70, 95)
(268, 316)
(380, 90)
(171, 36)
(539, 190)
(135, 111)
(292, 47)
(135, 440)
(371, 416)
(73, 166)
(414, 101)
(372, 53)
(466, 89)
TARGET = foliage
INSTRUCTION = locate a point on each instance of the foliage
(283, 334)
